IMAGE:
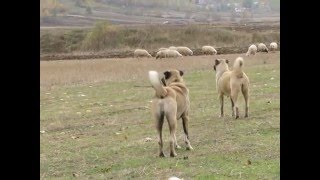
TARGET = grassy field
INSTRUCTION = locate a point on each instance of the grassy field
(95, 118)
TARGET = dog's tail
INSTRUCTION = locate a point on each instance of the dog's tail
(156, 84)
(238, 64)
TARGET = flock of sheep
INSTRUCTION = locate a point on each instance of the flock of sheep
(180, 51)
(253, 49)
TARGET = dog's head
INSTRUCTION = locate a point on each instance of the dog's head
(172, 76)
(220, 64)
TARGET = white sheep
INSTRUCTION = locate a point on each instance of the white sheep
(141, 53)
(252, 50)
(161, 54)
(273, 46)
(173, 48)
(160, 49)
(184, 51)
(262, 48)
(209, 50)
(168, 53)
(173, 53)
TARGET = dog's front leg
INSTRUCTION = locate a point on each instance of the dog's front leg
(176, 142)
(232, 107)
(221, 105)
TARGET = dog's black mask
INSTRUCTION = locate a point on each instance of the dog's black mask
(167, 75)
(163, 81)
(217, 62)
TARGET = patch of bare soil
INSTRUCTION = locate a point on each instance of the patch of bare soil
(126, 54)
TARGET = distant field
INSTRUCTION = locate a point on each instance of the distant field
(118, 41)
(69, 14)
(95, 115)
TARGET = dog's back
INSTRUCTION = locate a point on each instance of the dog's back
(168, 98)
(236, 77)
(170, 101)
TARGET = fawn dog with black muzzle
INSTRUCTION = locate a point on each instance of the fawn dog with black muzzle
(171, 100)
(230, 83)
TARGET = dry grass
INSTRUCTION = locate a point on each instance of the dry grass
(95, 120)
(77, 72)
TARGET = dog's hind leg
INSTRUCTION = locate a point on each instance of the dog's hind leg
(234, 97)
(159, 125)
(245, 92)
(232, 106)
(221, 105)
(172, 121)
(185, 119)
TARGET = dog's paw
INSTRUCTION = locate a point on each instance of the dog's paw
(237, 116)
(162, 154)
(178, 147)
(246, 116)
(189, 148)
(173, 154)
(221, 116)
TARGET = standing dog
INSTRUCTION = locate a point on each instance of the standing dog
(171, 101)
(230, 83)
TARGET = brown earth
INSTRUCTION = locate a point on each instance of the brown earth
(126, 54)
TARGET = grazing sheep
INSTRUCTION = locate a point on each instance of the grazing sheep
(209, 50)
(262, 48)
(168, 54)
(184, 51)
(173, 54)
(141, 53)
(160, 49)
(161, 54)
(173, 48)
(273, 46)
(252, 50)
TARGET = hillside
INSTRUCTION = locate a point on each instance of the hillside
(75, 13)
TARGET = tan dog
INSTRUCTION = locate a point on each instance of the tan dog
(171, 101)
(230, 83)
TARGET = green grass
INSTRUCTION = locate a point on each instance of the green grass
(98, 131)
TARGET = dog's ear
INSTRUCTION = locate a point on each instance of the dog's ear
(163, 82)
(227, 61)
(216, 62)
(167, 74)
(181, 73)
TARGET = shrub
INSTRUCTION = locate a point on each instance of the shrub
(102, 36)
(51, 43)
(265, 37)
(74, 39)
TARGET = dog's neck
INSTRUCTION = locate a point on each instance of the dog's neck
(220, 72)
